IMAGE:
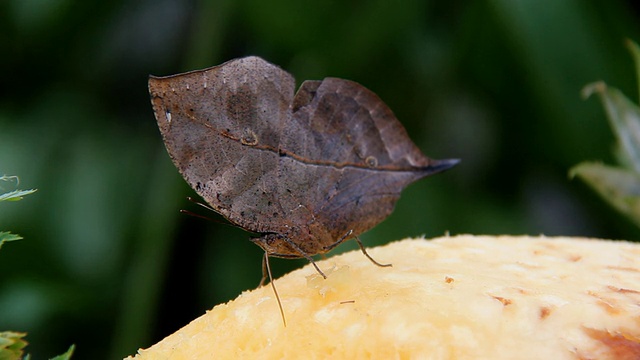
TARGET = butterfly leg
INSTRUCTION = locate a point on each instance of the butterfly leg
(364, 251)
(265, 270)
(340, 241)
(266, 273)
(357, 239)
(305, 255)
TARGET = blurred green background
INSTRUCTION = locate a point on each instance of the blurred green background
(108, 262)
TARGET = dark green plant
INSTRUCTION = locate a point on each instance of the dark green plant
(12, 343)
(619, 185)
(14, 195)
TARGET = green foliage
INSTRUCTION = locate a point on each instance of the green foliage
(14, 195)
(6, 236)
(66, 355)
(11, 345)
(620, 186)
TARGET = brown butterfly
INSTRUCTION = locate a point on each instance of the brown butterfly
(305, 170)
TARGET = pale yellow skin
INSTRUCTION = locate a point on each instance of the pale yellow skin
(463, 297)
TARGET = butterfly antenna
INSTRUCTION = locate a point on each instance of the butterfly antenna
(265, 266)
(205, 217)
(191, 213)
(199, 203)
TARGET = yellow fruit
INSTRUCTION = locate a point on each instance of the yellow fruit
(463, 297)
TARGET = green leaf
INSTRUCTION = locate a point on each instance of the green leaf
(66, 355)
(6, 236)
(620, 187)
(635, 53)
(11, 345)
(624, 117)
(16, 195)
